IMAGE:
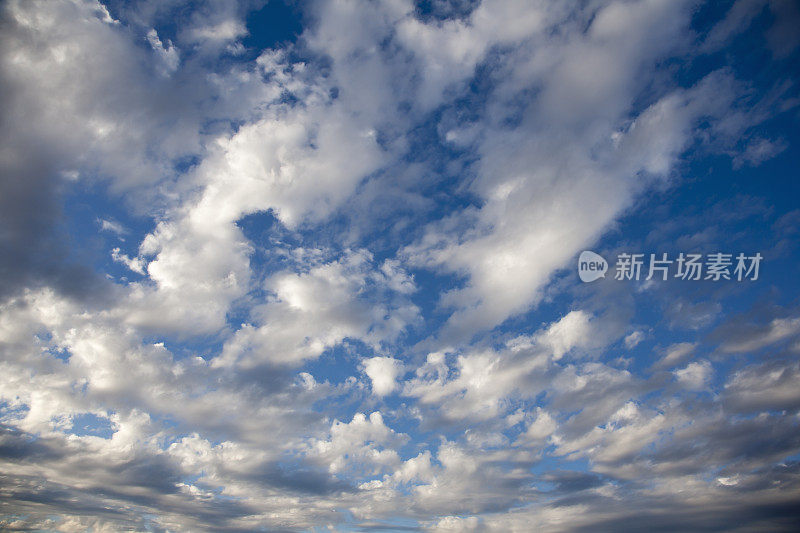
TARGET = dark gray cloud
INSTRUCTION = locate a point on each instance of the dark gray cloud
(33, 248)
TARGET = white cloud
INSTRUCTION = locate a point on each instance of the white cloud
(112, 226)
(135, 264)
(457, 523)
(550, 186)
(208, 377)
(753, 339)
(676, 354)
(632, 340)
(362, 443)
(694, 376)
(169, 55)
(757, 151)
(573, 330)
(224, 30)
(383, 373)
(317, 309)
(739, 17)
(540, 430)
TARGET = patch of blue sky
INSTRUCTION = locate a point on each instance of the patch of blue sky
(276, 24)
(89, 424)
(87, 204)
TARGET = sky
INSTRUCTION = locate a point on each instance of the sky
(318, 266)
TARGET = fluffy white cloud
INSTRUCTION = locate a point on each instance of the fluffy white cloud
(695, 375)
(315, 310)
(363, 443)
(573, 330)
(169, 54)
(633, 339)
(383, 373)
(550, 186)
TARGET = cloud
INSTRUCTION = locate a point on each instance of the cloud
(316, 310)
(135, 264)
(383, 373)
(738, 19)
(676, 354)
(363, 443)
(541, 429)
(457, 523)
(633, 339)
(112, 226)
(169, 54)
(48, 54)
(695, 375)
(549, 186)
(758, 151)
(573, 330)
(751, 337)
(769, 386)
(351, 307)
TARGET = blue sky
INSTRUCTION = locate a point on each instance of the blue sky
(312, 266)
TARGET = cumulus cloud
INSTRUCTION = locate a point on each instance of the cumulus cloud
(549, 184)
(322, 282)
(315, 310)
(383, 373)
(170, 57)
(633, 339)
(695, 375)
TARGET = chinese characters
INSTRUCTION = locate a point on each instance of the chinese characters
(714, 267)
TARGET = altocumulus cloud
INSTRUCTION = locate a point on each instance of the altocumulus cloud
(289, 266)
